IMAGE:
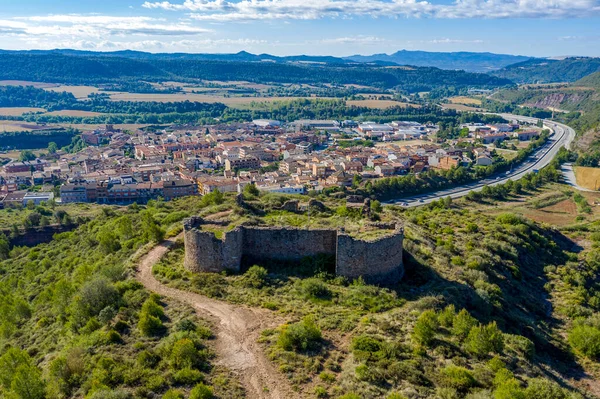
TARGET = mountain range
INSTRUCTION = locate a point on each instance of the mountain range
(468, 61)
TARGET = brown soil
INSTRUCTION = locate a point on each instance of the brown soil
(237, 330)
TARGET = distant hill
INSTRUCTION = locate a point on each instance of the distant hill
(68, 66)
(592, 80)
(468, 61)
(550, 71)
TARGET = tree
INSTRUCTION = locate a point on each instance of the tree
(462, 324)
(485, 339)
(27, 383)
(251, 190)
(425, 328)
(4, 247)
(26, 155)
(52, 147)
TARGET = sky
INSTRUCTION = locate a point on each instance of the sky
(543, 28)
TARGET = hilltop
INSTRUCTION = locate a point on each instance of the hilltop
(550, 71)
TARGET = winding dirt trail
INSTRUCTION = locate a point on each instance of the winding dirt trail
(237, 331)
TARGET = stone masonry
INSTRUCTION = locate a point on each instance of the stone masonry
(377, 261)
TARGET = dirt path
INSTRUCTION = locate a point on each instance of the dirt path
(237, 331)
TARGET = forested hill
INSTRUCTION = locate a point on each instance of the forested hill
(550, 71)
(468, 61)
(93, 69)
(592, 80)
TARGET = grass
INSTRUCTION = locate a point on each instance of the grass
(588, 177)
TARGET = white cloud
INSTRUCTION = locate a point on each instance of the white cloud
(249, 10)
(95, 26)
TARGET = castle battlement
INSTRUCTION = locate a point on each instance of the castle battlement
(377, 261)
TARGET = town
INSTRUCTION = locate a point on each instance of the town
(123, 167)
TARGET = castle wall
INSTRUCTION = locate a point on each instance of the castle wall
(378, 261)
(287, 243)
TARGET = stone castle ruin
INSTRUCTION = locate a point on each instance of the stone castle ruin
(377, 261)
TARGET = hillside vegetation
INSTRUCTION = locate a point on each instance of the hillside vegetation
(550, 71)
(93, 70)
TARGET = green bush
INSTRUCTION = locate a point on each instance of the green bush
(485, 339)
(152, 308)
(188, 376)
(365, 347)
(586, 340)
(173, 394)
(425, 328)
(446, 317)
(300, 336)
(462, 324)
(255, 277)
(150, 326)
(201, 391)
(510, 389)
(315, 288)
(184, 354)
(457, 377)
(522, 345)
(539, 388)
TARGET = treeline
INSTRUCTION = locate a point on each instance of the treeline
(38, 139)
(101, 70)
(512, 108)
(433, 180)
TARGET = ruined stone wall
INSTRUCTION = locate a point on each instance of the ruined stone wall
(287, 243)
(378, 261)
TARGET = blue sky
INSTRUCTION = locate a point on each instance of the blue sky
(319, 27)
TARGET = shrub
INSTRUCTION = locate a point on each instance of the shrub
(184, 354)
(485, 339)
(255, 277)
(315, 288)
(173, 394)
(300, 336)
(365, 347)
(510, 389)
(446, 317)
(150, 325)
(539, 388)
(586, 340)
(462, 324)
(188, 376)
(457, 377)
(327, 377)
(521, 345)
(425, 328)
(152, 308)
(201, 391)
(321, 392)
(113, 337)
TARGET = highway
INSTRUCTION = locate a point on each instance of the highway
(563, 136)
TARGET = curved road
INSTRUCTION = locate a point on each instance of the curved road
(562, 137)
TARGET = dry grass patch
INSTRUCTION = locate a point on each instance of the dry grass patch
(588, 177)
(79, 92)
(464, 100)
(18, 111)
(460, 107)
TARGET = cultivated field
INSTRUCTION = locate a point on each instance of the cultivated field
(80, 92)
(464, 100)
(588, 177)
(381, 104)
(18, 111)
(18, 126)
